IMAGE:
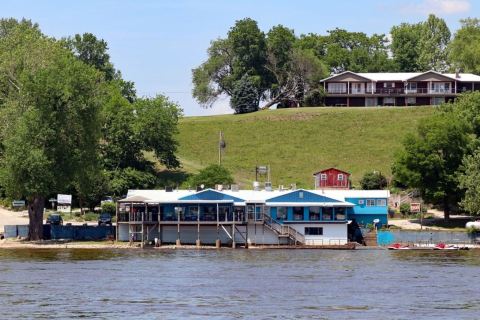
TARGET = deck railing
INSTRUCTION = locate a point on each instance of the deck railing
(283, 230)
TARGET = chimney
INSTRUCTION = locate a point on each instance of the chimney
(457, 73)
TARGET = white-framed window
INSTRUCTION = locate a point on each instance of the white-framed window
(440, 87)
(411, 87)
(370, 202)
(389, 101)
(323, 176)
(369, 87)
(358, 87)
(381, 202)
(340, 177)
(438, 100)
(336, 87)
(389, 84)
(361, 201)
(411, 100)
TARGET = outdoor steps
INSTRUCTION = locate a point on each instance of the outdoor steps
(370, 239)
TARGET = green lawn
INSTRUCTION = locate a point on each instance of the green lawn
(298, 142)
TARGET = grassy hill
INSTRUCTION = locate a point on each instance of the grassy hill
(298, 142)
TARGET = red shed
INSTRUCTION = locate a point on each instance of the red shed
(332, 178)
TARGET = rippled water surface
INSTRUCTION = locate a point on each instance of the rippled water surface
(256, 284)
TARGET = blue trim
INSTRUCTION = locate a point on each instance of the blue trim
(301, 196)
(212, 195)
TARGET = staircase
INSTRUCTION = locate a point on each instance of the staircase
(283, 230)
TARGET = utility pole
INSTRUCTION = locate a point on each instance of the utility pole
(221, 147)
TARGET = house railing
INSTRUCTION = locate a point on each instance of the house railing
(391, 91)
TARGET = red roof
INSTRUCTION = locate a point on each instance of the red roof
(332, 168)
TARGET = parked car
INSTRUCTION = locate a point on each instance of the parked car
(55, 219)
(106, 199)
(104, 219)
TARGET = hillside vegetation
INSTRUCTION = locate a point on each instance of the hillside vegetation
(299, 142)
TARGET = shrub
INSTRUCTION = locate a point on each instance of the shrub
(90, 216)
(405, 208)
(212, 175)
(109, 207)
(374, 180)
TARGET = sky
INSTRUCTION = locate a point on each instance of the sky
(156, 44)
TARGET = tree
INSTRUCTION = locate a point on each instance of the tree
(434, 39)
(243, 52)
(431, 158)
(464, 50)
(244, 96)
(469, 182)
(94, 52)
(212, 175)
(51, 105)
(373, 180)
(405, 46)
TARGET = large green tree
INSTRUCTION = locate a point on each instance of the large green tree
(431, 159)
(433, 42)
(469, 179)
(50, 108)
(405, 46)
(464, 50)
(210, 176)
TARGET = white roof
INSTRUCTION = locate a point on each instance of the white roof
(405, 76)
(252, 196)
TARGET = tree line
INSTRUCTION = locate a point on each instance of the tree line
(258, 70)
(71, 123)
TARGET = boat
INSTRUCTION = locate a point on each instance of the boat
(398, 246)
(443, 246)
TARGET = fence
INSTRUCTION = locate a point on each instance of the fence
(55, 232)
(423, 237)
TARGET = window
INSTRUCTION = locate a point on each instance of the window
(314, 213)
(361, 201)
(358, 87)
(438, 100)
(440, 87)
(323, 177)
(388, 101)
(369, 87)
(411, 87)
(381, 203)
(340, 177)
(337, 88)
(297, 213)
(339, 213)
(370, 202)
(411, 101)
(313, 231)
(281, 213)
(389, 84)
(327, 213)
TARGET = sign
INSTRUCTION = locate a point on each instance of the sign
(415, 207)
(18, 203)
(64, 199)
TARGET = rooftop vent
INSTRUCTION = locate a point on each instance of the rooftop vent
(168, 189)
(219, 187)
(256, 185)
(234, 187)
(268, 186)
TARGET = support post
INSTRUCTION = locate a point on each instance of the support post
(178, 243)
(217, 242)
(198, 227)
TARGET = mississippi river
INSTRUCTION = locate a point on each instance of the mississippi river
(238, 284)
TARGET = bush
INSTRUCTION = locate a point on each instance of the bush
(109, 207)
(405, 209)
(90, 216)
(374, 180)
(210, 176)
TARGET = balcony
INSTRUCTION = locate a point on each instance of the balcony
(394, 91)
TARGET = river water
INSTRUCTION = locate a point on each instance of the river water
(226, 284)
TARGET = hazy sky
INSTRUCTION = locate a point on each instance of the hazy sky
(157, 43)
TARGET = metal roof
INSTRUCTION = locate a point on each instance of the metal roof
(405, 76)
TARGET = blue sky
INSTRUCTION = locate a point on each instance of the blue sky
(157, 43)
